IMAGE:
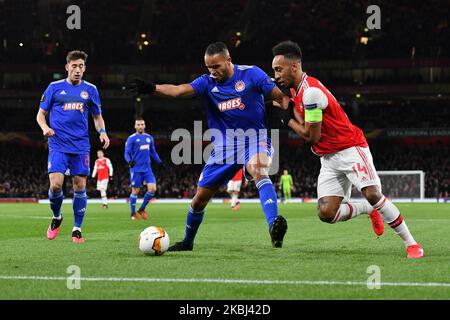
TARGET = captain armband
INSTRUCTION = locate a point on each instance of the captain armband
(313, 115)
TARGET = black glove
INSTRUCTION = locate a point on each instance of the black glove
(131, 163)
(139, 86)
(288, 114)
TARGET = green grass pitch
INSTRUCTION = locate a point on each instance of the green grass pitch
(232, 258)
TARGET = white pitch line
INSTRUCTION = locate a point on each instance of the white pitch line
(233, 281)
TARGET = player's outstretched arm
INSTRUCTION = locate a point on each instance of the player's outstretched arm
(139, 86)
(172, 91)
(100, 126)
(42, 121)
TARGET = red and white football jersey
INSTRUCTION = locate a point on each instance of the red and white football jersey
(103, 168)
(337, 132)
(237, 176)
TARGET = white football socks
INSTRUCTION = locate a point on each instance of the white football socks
(348, 211)
(392, 216)
(104, 198)
(234, 198)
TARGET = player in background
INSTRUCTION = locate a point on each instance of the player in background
(69, 103)
(343, 150)
(286, 185)
(233, 188)
(234, 99)
(139, 153)
(103, 169)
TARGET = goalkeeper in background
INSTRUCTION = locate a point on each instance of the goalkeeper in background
(286, 184)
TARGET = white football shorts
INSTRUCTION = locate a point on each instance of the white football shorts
(234, 186)
(342, 169)
(102, 185)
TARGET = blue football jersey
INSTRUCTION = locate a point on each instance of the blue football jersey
(141, 149)
(69, 107)
(238, 103)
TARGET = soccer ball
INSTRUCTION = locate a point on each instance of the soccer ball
(154, 241)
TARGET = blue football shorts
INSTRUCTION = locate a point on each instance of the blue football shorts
(71, 163)
(225, 162)
(138, 179)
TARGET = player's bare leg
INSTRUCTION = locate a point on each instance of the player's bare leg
(394, 219)
(195, 217)
(56, 197)
(332, 209)
(151, 189)
(258, 166)
(79, 206)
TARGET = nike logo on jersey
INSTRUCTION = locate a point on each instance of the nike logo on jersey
(215, 90)
(235, 103)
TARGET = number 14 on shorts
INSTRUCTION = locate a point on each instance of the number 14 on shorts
(360, 169)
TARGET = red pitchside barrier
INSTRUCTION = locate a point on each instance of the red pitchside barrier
(18, 200)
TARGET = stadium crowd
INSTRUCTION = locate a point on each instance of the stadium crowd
(23, 171)
(171, 30)
(177, 39)
(368, 116)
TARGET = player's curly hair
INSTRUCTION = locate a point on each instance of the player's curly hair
(75, 55)
(288, 49)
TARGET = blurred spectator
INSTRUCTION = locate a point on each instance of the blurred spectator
(23, 171)
(111, 29)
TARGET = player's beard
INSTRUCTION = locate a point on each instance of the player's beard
(226, 76)
(223, 79)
